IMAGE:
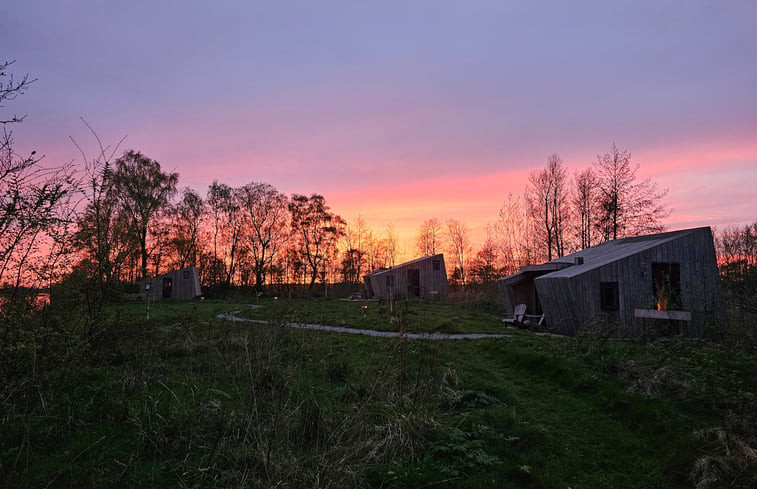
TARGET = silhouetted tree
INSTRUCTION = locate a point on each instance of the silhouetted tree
(351, 260)
(35, 203)
(627, 207)
(389, 246)
(359, 249)
(187, 218)
(102, 235)
(514, 230)
(484, 266)
(226, 208)
(737, 260)
(10, 88)
(267, 214)
(429, 240)
(143, 189)
(585, 205)
(547, 196)
(316, 231)
(458, 238)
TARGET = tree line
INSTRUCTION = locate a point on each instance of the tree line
(135, 223)
(557, 214)
(124, 218)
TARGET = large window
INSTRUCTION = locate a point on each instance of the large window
(666, 286)
(608, 292)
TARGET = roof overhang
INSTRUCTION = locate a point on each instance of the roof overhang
(529, 272)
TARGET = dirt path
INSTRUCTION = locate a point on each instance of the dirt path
(234, 316)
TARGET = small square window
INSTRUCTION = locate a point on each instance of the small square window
(186, 274)
(609, 296)
(436, 265)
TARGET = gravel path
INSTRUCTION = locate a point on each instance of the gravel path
(234, 316)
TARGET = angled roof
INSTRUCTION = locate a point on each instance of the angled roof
(411, 262)
(526, 272)
(611, 251)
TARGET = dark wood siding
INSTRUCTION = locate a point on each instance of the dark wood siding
(432, 283)
(185, 284)
(572, 303)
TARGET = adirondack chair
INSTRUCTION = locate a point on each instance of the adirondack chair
(534, 318)
(518, 315)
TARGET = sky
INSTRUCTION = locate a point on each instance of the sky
(400, 111)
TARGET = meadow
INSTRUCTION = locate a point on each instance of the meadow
(190, 400)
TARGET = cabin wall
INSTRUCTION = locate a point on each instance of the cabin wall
(433, 283)
(185, 285)
(507, 297)
(571, 304)
(561, 305)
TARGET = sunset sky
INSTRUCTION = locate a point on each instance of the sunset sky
(401, 110)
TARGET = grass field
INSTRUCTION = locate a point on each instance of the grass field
(189, 400)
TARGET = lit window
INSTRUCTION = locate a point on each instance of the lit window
(666, 286)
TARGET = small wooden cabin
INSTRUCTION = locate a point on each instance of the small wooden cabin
(424, 277)
(181, 284)
(666, 280)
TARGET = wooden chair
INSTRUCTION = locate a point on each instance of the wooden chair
(538, 319)
(518, 315)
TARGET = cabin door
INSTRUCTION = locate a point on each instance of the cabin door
(167, 287)
(413, 282)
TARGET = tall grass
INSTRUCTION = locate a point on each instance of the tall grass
(188, 400)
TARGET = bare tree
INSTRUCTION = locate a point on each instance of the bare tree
(484, 266)
(389, 244)
(585, 205)
(187, 218)
(458, 237)
(737, 260)
(35, 203)
(10, 88)
(627, 207)
(161, 241)
(34, 208)
(359, 247)
(228, 219)
(429, 240)
(514, 231)
(547, 198)
(267, 213)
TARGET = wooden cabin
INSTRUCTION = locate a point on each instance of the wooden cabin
(661, 281)
(424, 278)
(181, 284)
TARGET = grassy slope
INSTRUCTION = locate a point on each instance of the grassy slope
(192, 400)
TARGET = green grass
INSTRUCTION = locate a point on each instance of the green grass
(417, 316)
(189, 400)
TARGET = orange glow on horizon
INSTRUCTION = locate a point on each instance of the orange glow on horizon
(709, 182)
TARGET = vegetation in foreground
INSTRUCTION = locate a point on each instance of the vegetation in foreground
(189, 400)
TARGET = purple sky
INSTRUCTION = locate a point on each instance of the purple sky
(401, 111)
